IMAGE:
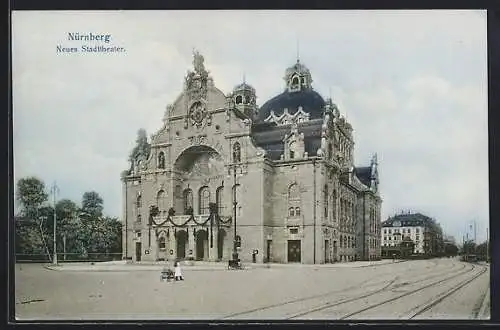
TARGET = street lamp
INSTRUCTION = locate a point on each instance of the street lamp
(235, 203)
(55, 190)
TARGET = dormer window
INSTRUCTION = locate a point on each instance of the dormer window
(302, 81)
(295, 81)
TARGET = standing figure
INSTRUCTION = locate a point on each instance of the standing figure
(178, 272)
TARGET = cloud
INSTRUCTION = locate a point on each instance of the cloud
(412, 83)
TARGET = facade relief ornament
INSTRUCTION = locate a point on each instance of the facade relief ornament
(197, 140)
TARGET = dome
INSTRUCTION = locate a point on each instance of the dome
(244, 87)
(310, 101)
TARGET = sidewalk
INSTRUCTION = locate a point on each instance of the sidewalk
(122, 266)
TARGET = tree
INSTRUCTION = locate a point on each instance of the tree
(142, 146)
(92, 204)
(31, 195)
(450, 249)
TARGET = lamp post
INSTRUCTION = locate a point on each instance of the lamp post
(235, 203)
(55, 189)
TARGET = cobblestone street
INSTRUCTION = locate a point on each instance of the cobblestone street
(438, 288)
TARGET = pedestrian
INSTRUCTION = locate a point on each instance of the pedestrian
(178, 272)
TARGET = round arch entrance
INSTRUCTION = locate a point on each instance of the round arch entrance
(181, 238)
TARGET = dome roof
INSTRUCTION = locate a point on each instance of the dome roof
(243, 86)
(310, 101)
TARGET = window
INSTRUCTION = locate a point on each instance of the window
(161, 160)
(385, 231)
(291, 148)
(219, 195)
(160, 200)
(294, 231)
(295, 81)
(138, 208)
(188, 199)
(297, 211)
(390, 238)
(236, 153)
(325, 200)
(334, 204)
(390, 231)
(291, 212)
(161, 243)
(417, 230)
(204, 198)
(239, 99)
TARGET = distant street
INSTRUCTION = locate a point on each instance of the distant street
(423, 289)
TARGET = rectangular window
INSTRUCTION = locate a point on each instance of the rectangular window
(390, 231)
(294, 231)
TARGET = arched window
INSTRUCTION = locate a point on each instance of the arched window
(161, 243)
(188, 199)
(295, 80)
(219, 195)
(161, 160)
(293, 192)
(348, 242)
(138, 206)
(160, 200)
(291, 212)
(291, 148)
(236, 153)
(239, 99)
(204, 198)
(297, 211)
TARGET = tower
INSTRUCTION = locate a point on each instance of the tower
(244, 99)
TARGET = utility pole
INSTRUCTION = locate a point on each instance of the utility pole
(487, 245)
(55, 190)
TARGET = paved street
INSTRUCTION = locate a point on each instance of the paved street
(423, 289)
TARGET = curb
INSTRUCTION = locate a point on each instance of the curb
(199, 268)
(484, 311)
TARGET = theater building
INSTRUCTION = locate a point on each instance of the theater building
(278, 179)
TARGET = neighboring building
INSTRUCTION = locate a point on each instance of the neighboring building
(299, 197)
(423, 231)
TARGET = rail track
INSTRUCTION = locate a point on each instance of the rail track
(323, 301)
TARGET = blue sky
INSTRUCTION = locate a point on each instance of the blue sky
(412, 83)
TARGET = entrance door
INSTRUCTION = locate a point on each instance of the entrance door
(268, 250)
(294, 251)
(138, 251)
(327, 250)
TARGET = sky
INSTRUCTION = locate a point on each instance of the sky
(413, 84)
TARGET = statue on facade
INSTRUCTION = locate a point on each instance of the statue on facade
(198, 62)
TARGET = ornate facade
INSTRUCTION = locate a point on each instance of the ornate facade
(284, 171)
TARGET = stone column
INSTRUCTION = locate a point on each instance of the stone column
(213, 250)
(191, 241)
(172, 244)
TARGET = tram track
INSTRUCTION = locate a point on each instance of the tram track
(386, 290)
(440, 297)
(363, 286)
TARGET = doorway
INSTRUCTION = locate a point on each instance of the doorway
(268, 250)
(138, 251)
(294, 251)
(327, 251)
(201, 244)
(181, 238)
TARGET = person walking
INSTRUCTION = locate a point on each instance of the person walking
(178, 272)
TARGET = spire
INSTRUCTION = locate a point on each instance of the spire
(244, 80)
(298, 52)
